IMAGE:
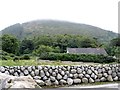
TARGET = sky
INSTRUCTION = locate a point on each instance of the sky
(100, 13)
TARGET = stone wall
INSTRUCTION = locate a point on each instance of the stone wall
(66, 75)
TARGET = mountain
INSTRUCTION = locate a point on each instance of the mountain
(53, 27)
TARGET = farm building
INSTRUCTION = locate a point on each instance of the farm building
(96, 51)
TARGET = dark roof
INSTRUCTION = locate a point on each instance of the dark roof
(86, 51)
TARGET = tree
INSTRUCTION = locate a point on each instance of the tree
(26, 46)
(43, 49)
(10, 44)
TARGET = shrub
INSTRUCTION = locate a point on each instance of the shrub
(15, 58)
(4, 58)
(25, 57)
(79, 57)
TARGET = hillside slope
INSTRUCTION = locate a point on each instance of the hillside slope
(52, 27)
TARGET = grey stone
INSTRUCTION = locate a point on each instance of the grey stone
(109, 78)
(105, 74)
(50, 71)
(21, 74)
(84, 72)
(62, 82)
(52, 78)
(25, 72)
(80, 76)
(48, 82)
(47, 74)
(59, 77)
(54, 74)
(69, 81)
(99, 71)
(33, 68)
(115, 79)
(22, 68)
(56, 82)
(73, 71)
(87, 76)
(75, 75)
(62, 73)
(99, 75)
(114, 74)
(32, 73)
(65, 77)
(45, 78)
(92, 68)
(67, 72)
(77, 81)
(84, 80)
(42, 74)
(103, 79)
(96, 72)
(11, 71)
(79, 70)
(56, 71)
(91, 80)
(109, 72)
(70, 75)
(36, 72)
(97, 80)
(103, 70)
(40, 82)
(92, 75)
(89, 72)
(2, 69)
(16, 74)
(37, 77)
(39, 67)
(7, 72)
(118, 74)
(29, 69)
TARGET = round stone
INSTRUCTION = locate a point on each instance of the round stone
(26, 72)
(37, 77)
(89, 72)
(54, 74)
(114, 74)
(80, 76)
(48, 82)
(73, 71)
(36, 72)
(65, 77)
(84, 80)
(59, 77)
(79, 70)
(91, 80)
(52, 78)
(42, 74)
(69, 81)
(103, 79)
(115, 79)
(40, 82)
(62, 82)
(77, 81)
(109, 78)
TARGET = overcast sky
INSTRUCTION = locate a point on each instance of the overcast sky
(100, 13)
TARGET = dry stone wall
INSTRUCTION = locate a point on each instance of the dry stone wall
(66, 75)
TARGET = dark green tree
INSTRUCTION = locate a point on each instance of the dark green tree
(26, 46)
(10, 44)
